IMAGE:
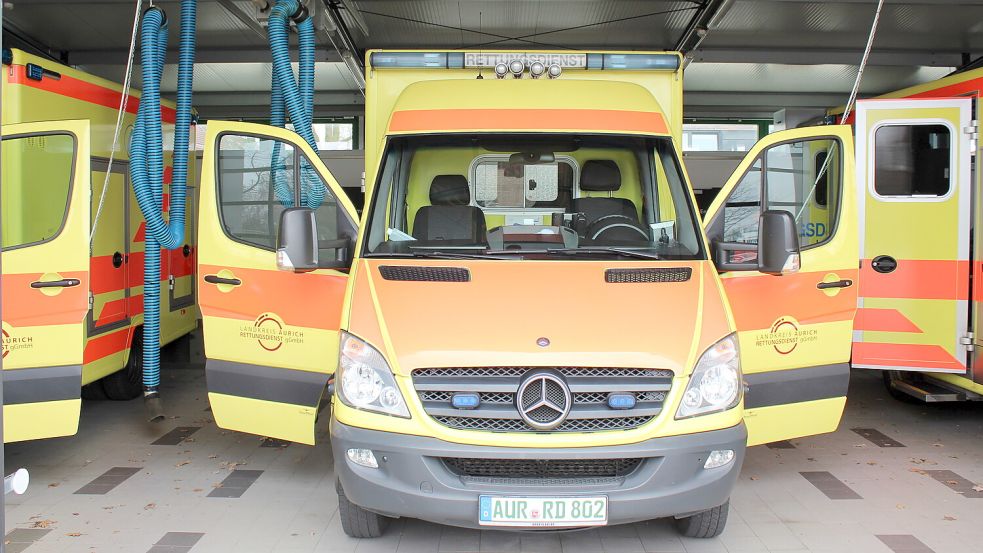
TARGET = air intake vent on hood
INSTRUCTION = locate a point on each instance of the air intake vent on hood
(425, 274)
(668, 274)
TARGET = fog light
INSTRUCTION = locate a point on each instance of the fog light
(366, 458)
(717, 458)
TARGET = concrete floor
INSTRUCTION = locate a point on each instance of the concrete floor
(202, 489)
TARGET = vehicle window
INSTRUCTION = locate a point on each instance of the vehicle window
(259, 177)
(792, 179)
(822, 183)
(912, 160)
(36, 185)
(743, 207)
(499, 183)
(512, 195)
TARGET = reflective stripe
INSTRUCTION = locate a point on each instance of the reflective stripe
(883, 320)
(927, 356)
(800, 299)
(796, 385)
(265, 383)
(42, 384)
(605, 120)
(26, 306)
(944, 279)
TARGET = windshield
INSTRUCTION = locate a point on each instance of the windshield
(527, 196)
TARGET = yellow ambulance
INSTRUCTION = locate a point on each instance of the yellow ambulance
(920, 244)
(72, 308)
(529, 326)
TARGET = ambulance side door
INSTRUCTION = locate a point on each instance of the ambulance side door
(45, 189)
(271, 336)
(795, 328)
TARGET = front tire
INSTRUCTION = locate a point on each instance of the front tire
(358, 522)
(127, 383)
(705, 524)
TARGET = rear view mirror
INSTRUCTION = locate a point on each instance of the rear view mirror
(778, 243)
(531, 158)
(296, 240)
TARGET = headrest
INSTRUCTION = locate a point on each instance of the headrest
(600, 175)
(450, 190)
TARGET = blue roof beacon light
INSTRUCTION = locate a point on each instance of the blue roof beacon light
(469, 400)
(636, 62)
(417, 60)
(621, 400)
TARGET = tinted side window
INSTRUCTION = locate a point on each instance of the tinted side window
(792, 179)
(36, 184)
(255, 183)
(743, 207)
(912, 160)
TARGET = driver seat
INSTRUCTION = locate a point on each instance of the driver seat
(601, 175)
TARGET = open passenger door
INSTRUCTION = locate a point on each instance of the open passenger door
(913, 159)
(271, 336)
(794, 329)
(45, 188)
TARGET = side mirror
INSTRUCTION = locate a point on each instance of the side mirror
(296, 241)
(778, 243)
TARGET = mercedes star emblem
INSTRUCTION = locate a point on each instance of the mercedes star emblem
(543, 400)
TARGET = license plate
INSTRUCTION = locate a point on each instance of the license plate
(555, 512)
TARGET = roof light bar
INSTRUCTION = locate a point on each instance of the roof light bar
(417, 60)
(536, 69)
(501, 70)
(659, 62)
(517, 67)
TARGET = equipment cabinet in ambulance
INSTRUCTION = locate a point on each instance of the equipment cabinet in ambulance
(528, 328)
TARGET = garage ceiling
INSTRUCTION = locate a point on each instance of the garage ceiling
(749, 57)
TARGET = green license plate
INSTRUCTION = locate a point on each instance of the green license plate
(558, 512)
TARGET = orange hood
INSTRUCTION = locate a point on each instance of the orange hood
(498, 316)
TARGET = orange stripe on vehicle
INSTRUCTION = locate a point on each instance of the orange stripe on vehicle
(800, 299)
(106, 345)
(883, 320)
(527, 119)
(26, 306)
(971, 87)
(105, 277)
(944, 279)
(83, 90)
(929, 356)
(290, 295)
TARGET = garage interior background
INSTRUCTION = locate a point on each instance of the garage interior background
(755, 65)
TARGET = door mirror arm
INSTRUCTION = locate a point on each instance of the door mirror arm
(343, 253)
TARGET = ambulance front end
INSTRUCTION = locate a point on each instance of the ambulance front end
(528, 328)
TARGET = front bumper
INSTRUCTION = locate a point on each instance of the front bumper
(411, 480)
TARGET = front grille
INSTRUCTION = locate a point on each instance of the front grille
(414, 273)
(638, 276)
(497, 388)
(518, 425)
(541, 468)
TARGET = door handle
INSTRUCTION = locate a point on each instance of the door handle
(63, 283)
(884, 264)
(117, 260)
(845, 283)
(215, 279)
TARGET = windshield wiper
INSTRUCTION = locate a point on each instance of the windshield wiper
(435, 255)
(595, 251)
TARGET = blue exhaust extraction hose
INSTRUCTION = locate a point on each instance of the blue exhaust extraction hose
(288, 98)
(147, 167)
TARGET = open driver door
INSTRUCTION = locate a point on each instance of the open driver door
(795, 328)
(271, 336)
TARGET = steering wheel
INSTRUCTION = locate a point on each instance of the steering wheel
(616, 227)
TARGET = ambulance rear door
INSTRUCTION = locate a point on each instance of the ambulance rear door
(271, 336)
(913, 172)
(45, 202)
(794, 328)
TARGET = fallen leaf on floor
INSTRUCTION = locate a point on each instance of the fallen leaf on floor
(871, 463)
(938, 445)
(53, 485)
(182, 463)
(43, 523)
(754, 478)
(74, 534)
(948, 517)
(859, 445)
(952, 482)
(900, 506)
(217, 485)
(197, 490)
(213, 456)
(149, 506)
(919, 471)
(978, 488)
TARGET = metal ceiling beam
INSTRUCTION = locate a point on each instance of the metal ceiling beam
(820, 56)
(247, 54)
(243, 18)
(256, 105)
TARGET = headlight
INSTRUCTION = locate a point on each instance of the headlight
(715, 384)
(366, 381)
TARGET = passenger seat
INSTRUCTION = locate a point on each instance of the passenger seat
(450, 217)
(601, 175)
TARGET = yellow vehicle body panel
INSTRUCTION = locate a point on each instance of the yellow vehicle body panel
(104, 332)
